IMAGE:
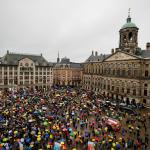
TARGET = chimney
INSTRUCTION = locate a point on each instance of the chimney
(96, 53)
(41, 54)
(112, 50)
(148, 46)
(92, 52)
(7, 51)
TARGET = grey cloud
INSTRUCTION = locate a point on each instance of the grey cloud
(72, 27)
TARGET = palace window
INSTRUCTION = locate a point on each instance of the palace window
(145, 92)
(112, 88)
(117, 89)
(146, 73)
(128, 91)
(135, 73)
(144, 101)
(129, 72)
(134, 92)
(118, 72)
(113, 72)
(104, 86)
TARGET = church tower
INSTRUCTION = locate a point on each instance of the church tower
(58, 59)
(129, 36)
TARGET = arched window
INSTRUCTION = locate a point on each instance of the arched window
(130, 36)
(26, 64)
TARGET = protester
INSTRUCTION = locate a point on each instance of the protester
(67, 119)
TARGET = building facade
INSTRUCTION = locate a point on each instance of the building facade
(67, 73)
(21, 70)
(123, 74)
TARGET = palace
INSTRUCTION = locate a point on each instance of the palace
(123, 74)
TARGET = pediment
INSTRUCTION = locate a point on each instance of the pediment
(120, 56)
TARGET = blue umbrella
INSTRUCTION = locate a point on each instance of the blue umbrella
(118, 146)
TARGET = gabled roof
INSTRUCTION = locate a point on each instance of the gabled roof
(121, 55)
(70, 65)
(98, 58)
(13, 59)
(145, 54)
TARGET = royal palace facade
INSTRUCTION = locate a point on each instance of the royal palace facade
(23, 70)
(123, 74)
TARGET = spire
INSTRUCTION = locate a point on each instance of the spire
(58, 54)
(129, 17)
(58, 59)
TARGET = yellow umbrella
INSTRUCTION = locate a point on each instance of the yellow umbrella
(15, 132)
(5, 139)
(39, 132)
(38, 139)
(62, 143)
(113, 144)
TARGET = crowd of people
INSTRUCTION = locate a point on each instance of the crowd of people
(68, 119)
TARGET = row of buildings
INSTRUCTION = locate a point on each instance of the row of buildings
(35, 72)
(122, 74)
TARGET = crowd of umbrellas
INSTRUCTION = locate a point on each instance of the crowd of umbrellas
(65, 118)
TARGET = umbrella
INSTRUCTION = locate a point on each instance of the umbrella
(5, 139)
(72, 134)
(64, 129)
(36, 113)
(45, 123)
(70, 129)
(118, 146)
(39, 139)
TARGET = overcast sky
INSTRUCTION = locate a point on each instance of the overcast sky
(72, 27)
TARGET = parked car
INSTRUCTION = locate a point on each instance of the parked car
(122, 105)
(128, 110)
(132, 106)
(113, 104)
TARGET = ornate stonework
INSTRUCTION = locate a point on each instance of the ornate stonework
(120, 56)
